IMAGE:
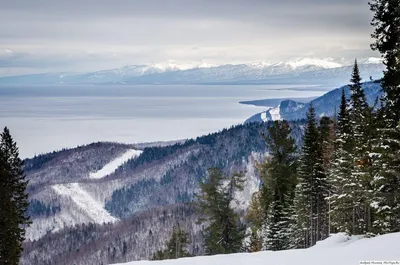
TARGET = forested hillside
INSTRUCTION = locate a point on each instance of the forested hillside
(325, 105)
(161, 176)
(134, 238)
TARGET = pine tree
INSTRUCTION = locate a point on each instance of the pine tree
(254, 219)
(327, 137)
(13, 201)
(359, 113)
(176, 246)
(387, 42)
(386, 182)
(342, 198)
(279, 178)
(364, 132)
(225, 232)
(159, 255)
(312, 190)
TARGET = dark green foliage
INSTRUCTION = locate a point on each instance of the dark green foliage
(327, 135)
(386, 183)
(312, 190)
(279, 179)
(342, 190)
(387, 42)
(224, 233)
(358, 99)
(352, 171)
(254, 219)
(362, 121)
(176, 246)
(159, 255)
(13, 201)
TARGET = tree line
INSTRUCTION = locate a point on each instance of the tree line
(345, 178)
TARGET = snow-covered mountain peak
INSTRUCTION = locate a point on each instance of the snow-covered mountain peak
(180, 66)
(327, 63)
(259, 65)
(373, 60)
(168, 66)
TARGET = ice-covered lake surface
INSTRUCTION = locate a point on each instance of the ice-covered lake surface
(47, 118)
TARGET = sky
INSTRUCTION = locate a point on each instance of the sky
(86, 35)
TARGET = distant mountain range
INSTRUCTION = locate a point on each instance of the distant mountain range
(301, 71)
(325, 105)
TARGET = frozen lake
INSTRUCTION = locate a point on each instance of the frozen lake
(43, 119)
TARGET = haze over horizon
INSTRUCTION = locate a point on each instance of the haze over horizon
(47, 36)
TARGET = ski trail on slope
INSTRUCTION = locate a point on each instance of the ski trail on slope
(275, 113)
(93, 209)
(114, 164)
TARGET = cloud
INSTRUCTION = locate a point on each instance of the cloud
(88, 34)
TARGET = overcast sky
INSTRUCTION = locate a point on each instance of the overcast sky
(81, 35)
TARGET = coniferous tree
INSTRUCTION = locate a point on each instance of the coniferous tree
(327, 131)
(364, 132)
(279, 178)
(176, 246)
(224, 233)
(327, 137)
(159, 255)
(386, 181)
(13, 201)
(387, 42)
(312, 190)
(254, 218)
(342, 193)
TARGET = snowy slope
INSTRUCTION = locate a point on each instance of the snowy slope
(324, 105)
(92, 208)
(275, 113)
(114, 164)
(336, 250)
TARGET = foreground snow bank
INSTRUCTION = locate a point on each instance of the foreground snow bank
(336, 250)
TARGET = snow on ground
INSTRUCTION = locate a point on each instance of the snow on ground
(275, 113)
(264, 116)
(93, 209)
(336, 250)
(114, 164)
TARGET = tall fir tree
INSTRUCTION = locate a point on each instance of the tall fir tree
(312, 189)
(279, 179)
(342, 195)
(386, 181)
(364, 132)
(13, 201)
(387, 41)
(225, 232)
